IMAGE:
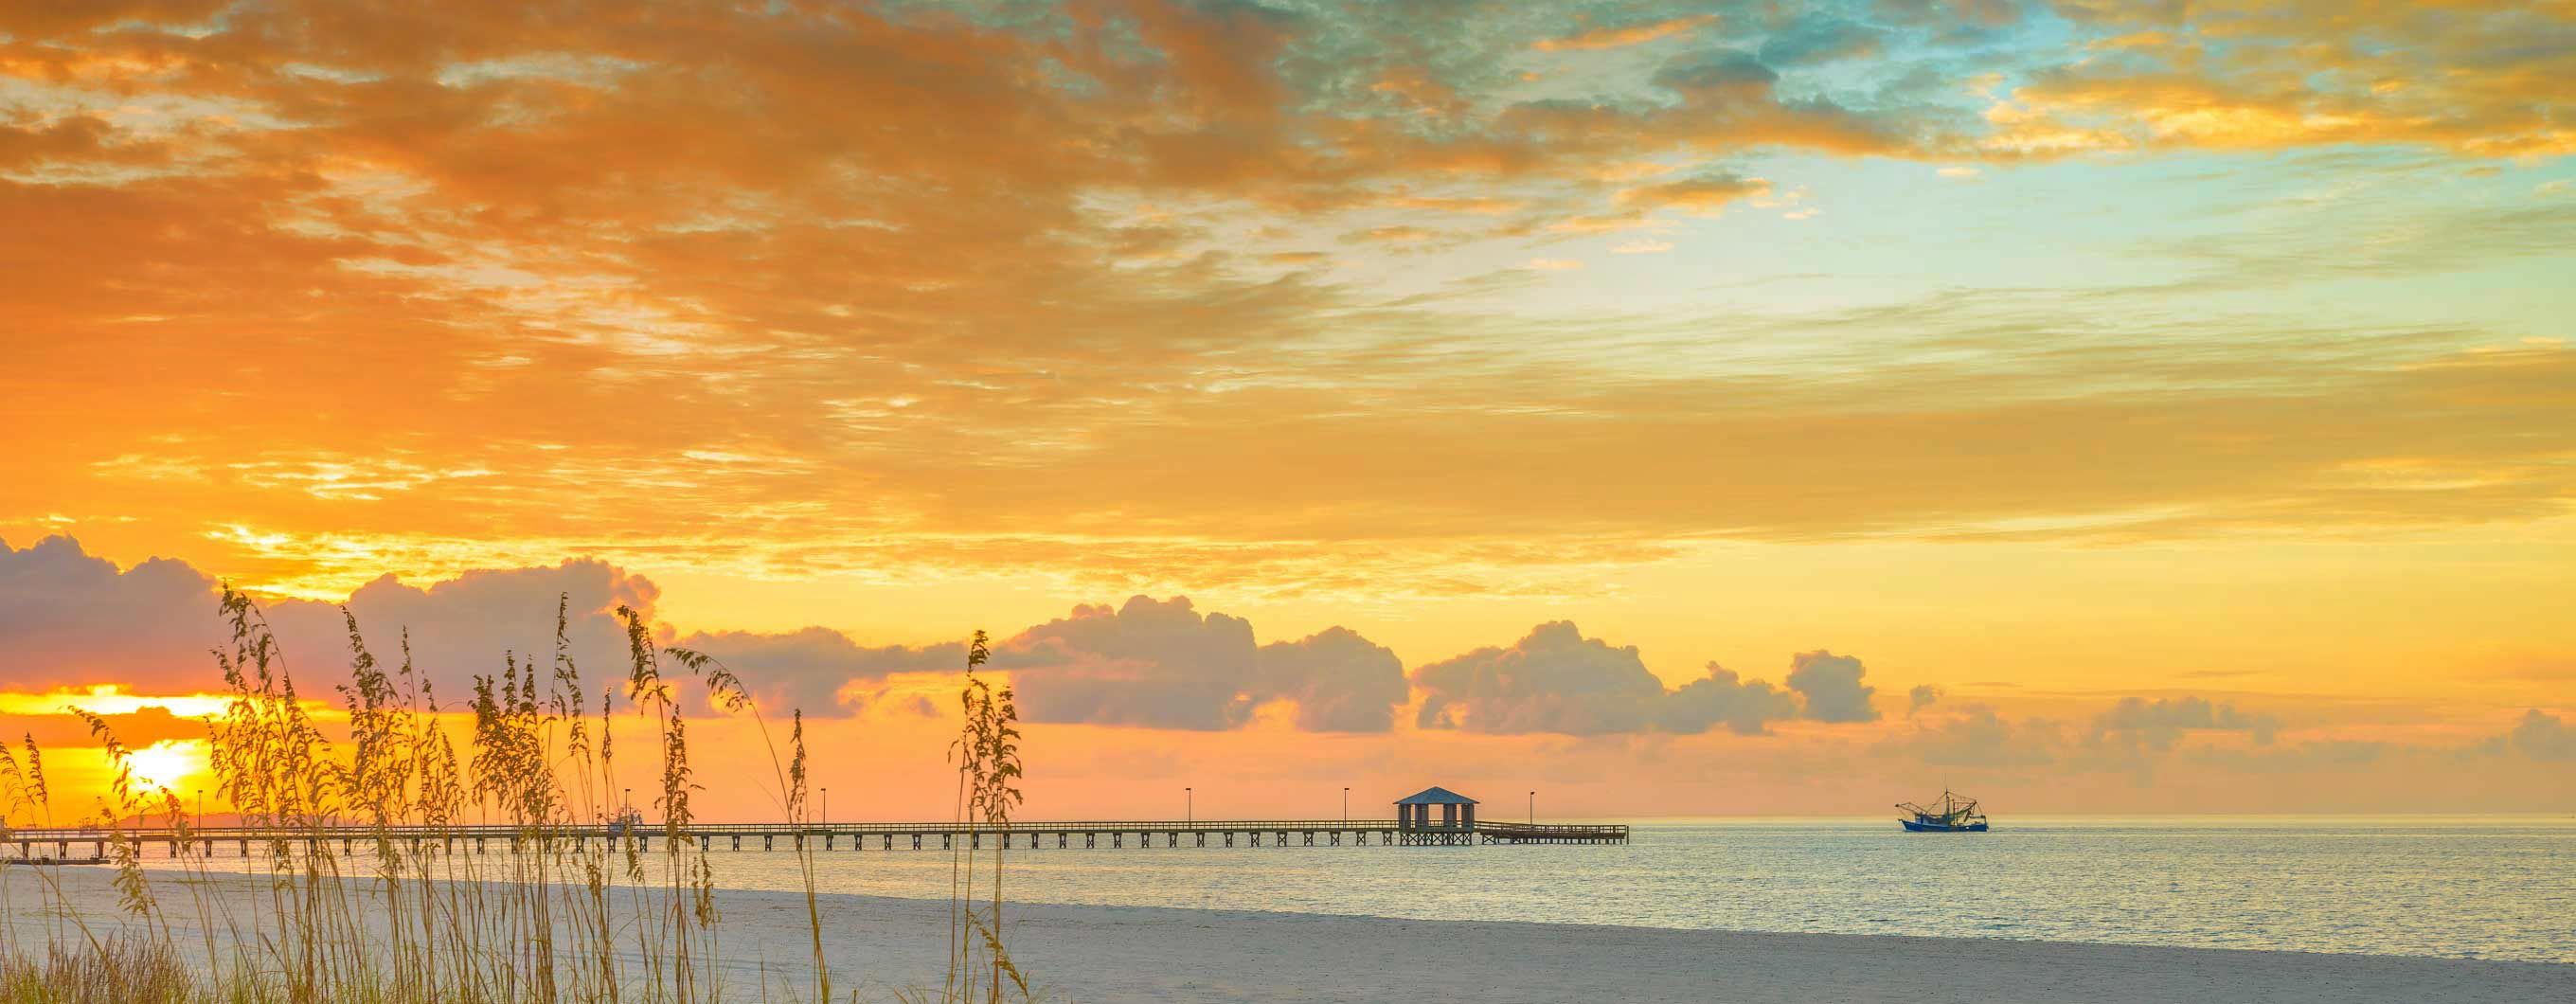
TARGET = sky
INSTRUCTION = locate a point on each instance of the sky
(1667, 409)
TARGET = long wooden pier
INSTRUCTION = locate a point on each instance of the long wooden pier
(1095, 834)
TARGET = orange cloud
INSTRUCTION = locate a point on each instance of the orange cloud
(904, 302)
(1398, 235)
(2295, 75)
(136, 729)
(1706, 195)
(1418, 92)
(1485, 206)
(1624, 36)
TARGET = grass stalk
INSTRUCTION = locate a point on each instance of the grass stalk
(367, 891)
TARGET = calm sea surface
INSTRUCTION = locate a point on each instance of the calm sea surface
(2473, 887)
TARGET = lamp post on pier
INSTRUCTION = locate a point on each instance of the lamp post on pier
(1533, 808)
(1189, 812)
(1346, 807)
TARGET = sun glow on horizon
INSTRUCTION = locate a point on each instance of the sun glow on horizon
(2101, 404)
(168, 763)
(109, 699)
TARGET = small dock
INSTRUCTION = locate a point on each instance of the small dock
(1414, 826)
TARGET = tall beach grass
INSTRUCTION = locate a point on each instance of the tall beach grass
(418, 916)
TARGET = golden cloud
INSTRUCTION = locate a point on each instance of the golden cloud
(1623, 36)
(456, 287)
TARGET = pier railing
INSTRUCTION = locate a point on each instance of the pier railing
(1539, 829)
(360, 830)
(1033, 834)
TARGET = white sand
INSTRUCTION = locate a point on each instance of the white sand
(1090, 953)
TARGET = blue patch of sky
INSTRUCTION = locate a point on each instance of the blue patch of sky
(2223, 237)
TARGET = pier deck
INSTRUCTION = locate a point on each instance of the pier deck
(1094, 834)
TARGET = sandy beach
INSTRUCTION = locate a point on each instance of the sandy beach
(1093, 953)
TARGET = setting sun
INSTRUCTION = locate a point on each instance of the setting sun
(1687, 429)
(168, 763)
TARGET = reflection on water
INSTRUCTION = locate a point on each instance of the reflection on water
(2479, 887)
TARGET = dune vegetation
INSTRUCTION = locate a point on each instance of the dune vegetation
(362, 900)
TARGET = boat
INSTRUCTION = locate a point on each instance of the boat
(1954, 813)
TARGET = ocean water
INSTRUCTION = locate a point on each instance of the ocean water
(2467, 887)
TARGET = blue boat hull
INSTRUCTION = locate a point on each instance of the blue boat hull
(1912, 826)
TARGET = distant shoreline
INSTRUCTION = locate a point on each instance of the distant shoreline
(1097, 953)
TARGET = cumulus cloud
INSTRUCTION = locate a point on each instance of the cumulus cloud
(1557, 680)
(1152, 663)
(70, 619)
(1341, 682)
(469, 625)
(67, 618)
(2133, 735)
(1162, 664)
(2138, 737)
(1921, 697)
(1832, 687)
(1553, 680)
(813, 669)
(1977, 736)
(2157, 725)
(1149, 662)
(2542, 736)
(1745, 707)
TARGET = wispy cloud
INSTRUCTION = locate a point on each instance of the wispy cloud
(1621, 37)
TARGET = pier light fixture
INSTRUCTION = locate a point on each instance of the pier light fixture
(1346, 806)
(1533, 808)
(1189, 812)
